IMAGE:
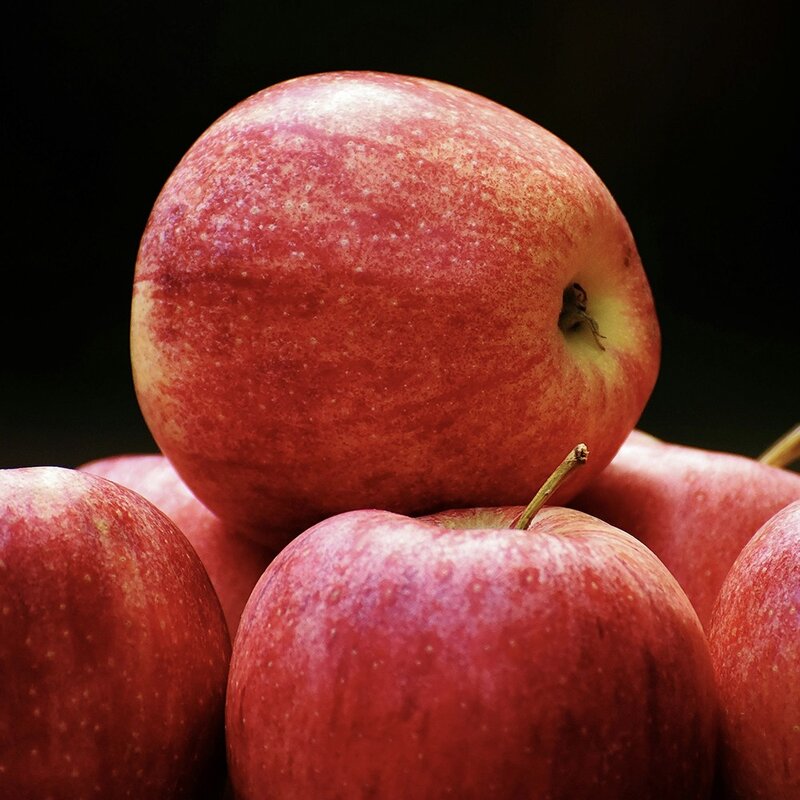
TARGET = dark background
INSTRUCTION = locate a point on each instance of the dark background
(686, 110)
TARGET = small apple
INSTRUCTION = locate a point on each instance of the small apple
(755, 647)
(456, 656)
(356, 285)
(113, 647)
(695, 509)
(233, 562)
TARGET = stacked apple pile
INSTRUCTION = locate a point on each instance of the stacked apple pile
(371, 315)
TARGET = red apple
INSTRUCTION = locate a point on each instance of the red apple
(695, 509)
(755, 647)
(355, 285)
(453, 656)
(233, 562)
(113, 646)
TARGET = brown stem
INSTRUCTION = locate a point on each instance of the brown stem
(784, 451)
(576, 457)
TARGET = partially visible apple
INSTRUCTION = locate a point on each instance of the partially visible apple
(356, 285)
(233, 562)
(453, 656)
(695, 509)
(113, 646)
(755, 646)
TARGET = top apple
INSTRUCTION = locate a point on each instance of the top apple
(368, 290)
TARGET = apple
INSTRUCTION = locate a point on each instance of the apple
(694, 508)
(233, 562)
(113, 646)
(754, 638)
(356, 286)
(457, 656)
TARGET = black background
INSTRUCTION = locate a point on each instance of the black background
(686, 110)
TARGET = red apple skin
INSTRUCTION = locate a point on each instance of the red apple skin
(233, 562)
(348, 292)
(382, 656)
(755, 646)
(113, 647)
(695, 509)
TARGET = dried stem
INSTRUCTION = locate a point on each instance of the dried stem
(576, 458)
(783, 452)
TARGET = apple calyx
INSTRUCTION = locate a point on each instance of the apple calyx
(574, 313)
(576, 457)
(784, 451)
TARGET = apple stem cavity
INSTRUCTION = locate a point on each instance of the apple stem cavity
(784, 451)
(577, 457)
(574, 313)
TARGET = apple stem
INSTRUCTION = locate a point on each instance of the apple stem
(784, 451)
(577, 456)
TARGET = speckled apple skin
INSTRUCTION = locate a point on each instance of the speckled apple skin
(234, 562)
(755, 647)
(347, 296)
(385, 657)
(695, 509)
(113, 646)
